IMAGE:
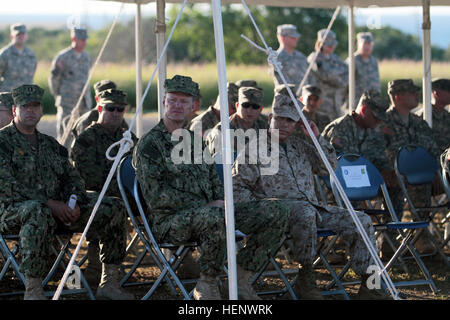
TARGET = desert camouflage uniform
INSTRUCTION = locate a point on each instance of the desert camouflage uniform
(319, 119)
(347, 137)
(16, 68)
(206, 119)
(68, 76)
(330, 74)
(214, 138)
(367, 75)
(441, 128)
(293, 66)
(29, 178)
(177, 195)
(294, 183)
(88, 154)
(398, 134)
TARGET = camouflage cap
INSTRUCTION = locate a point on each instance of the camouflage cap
(330, 40)
(282, 89)
(18, 28)
(251, 95)
(6, 100)
(376, 102)
(402, 85)
(246, 83)
(112, 96)
(310, 90)
(283, 106)
(364, 36)
(79, 33)
(103, 85)
(441, 84)
(288, 30)
(27, 93)
(182, 84)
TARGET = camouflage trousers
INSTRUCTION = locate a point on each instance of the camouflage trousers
(306, 218)
(33, 222)
(263, 221)
(63, 116)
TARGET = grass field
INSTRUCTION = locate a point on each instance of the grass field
(206, 76)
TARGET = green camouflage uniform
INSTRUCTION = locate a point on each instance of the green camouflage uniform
(294, 184)
(367, 76)
(16, 67)
(29, 178)
(177, 195)
(440, 129)
(68, 76)
(88, 155)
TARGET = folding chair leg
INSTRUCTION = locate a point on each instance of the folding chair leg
(392, 245)
(336, 279)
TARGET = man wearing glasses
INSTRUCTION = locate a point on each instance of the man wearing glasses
(247, 118)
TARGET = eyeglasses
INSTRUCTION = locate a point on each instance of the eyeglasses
(112, 109)
(248, 105)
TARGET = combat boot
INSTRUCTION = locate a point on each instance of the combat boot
(206, 288)
(245, 289)
(305, 285)
(93, 271)
(109, 287)
(33, 289)
(364, 293)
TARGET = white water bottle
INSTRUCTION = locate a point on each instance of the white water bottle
(72, 202)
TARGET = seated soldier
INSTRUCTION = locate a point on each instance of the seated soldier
(194, 114)
(441, 117)
(311, 99)
(37, 181)
(204, 122)
(248, 110)
(6, 103)
(186, 199)
(293, 183)
(251, 83)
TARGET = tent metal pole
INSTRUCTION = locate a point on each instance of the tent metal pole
(426, 56)
(227, 159)
(160, 41)
(138, 52)
(351, 65)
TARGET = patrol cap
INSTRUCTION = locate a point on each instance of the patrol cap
(79, 33)
(27, 93)
(246, 83)
(282, 89)
(288, 30)
(103, 85)
(252, 95)
(310, 90)
(6, 100)
(18, 28)
(365, 36)
(331, 37)
(283, 106)
(376, 102)
(182, 84)
(402, 85)
(440, 84)
(112, 96)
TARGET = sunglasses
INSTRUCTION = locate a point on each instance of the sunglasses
(248, 105)
(112, 109)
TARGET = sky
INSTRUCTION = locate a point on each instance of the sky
(408, 19)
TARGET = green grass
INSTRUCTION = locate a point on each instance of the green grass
(206, 76)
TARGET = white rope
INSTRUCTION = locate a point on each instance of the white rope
(72, 119)
(124, 146)
(365, 237)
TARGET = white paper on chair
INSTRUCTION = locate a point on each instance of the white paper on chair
(355, 176)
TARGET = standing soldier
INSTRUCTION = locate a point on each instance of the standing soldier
(293, 62)
(330, 74)
(17, 62)
(6, 103)
(367, 75)
(70, 70)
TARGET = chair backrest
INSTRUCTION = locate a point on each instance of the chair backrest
(126, 174)
(359, 178)
(416, 164)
